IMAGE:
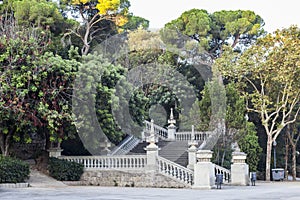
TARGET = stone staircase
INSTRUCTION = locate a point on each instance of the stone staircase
(175, 151)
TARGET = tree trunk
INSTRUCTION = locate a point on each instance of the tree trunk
(5, 144)
(268, 158)
(2, 146)
(294, 162)
(86, 47)
(286, 155)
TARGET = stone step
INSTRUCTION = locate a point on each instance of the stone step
(175, 151)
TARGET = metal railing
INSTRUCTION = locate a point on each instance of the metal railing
(126, 145)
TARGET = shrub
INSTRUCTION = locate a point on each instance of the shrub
(63, 170)
(13, 170)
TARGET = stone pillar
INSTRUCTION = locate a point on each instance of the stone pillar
(171, 127)
(204, 171)
(55, 152)
(152, 151)
(192, 156)
(105, 147)
(239, 169)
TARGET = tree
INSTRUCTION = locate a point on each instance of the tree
(166, 88)
(267, 74)
(293, 135)
(248, 143)
(38, 13)
(36, 86)
(96, 17)
(238, 129)
(238, 28)
(135, 22)
(17, 50)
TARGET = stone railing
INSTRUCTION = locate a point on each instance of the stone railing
(126, 146)
(225, 172)
(175, 171)
(188, 136)
(127, 162)
(158, 130)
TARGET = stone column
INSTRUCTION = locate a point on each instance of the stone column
(192, 156)
(152, 151)
(204, 173)
(192, 150)
(239, 169)
(171, 127)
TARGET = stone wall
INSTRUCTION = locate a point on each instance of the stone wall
(129, 179)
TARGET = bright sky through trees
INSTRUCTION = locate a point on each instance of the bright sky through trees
(276, 13)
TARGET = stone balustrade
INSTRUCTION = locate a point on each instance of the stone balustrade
(175, 171)
(159, 131)
(126, 162)
(225, 172)
(138, 164)
(179, 136)
(188, 136)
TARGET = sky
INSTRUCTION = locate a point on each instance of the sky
(277, 14)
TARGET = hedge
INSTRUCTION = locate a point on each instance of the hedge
(63, 170)
(13, 170)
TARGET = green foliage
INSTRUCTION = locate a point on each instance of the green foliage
(63, 170)
(37, 12)
(237, 128)
(267, 75)
(135, 22)
(248, 143)
(13, 170)
(146, 53)
(212, 31)
(36, 88)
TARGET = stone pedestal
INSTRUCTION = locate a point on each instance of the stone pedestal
(171, 127)
(171, 132)
(152, 153)
(192, 156)
(239, 169)
(55, 152)
(204, 174)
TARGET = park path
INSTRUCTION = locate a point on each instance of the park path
(38, 179)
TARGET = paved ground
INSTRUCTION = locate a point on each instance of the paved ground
(38, 179)
(262, 190)
(47, 188)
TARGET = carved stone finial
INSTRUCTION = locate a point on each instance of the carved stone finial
(235, 147)
(152, 133)
(172, 121)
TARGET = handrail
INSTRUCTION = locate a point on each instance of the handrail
(158, 130)
(175, 171)
(109, 162)
(189, 136)
(127, 145)
(225, 172)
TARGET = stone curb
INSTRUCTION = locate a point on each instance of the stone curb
(14, 185)
(74, 183)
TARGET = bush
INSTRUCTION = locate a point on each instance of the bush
(63, 170)
(13, 170)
